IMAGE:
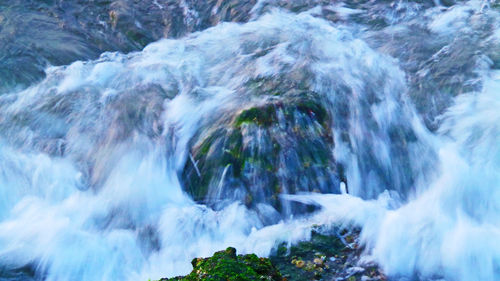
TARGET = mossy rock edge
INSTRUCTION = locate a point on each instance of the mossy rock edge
(329, 254)
(227, 266)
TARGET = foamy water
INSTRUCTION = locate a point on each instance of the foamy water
(90, 157)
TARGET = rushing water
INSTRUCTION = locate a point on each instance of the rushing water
(91, 157)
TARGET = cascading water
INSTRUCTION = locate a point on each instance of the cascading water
(93, 158)
(451, 229)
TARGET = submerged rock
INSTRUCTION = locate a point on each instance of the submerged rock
(227, 266)
(25, 273)
(282, 146)
(441, 59)
(442, 46)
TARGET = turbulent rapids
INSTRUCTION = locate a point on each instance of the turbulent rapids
(382, 115)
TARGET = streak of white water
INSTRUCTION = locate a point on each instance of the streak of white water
(90, 158)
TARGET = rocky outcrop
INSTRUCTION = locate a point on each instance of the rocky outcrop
(332, 254)
(34, 34)
(280, 146)
(79, 30)
(227, 266)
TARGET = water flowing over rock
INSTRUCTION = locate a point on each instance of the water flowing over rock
(282, 146)
(79, 30)
(138, 135)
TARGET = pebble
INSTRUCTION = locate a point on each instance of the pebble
(318, 261)
(300, 264)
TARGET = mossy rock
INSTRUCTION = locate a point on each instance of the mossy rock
(328, 255)
(297, 262)
(282, 146)
(227, 266)
(263, 116)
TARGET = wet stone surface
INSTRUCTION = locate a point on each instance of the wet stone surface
(227, 266)
(35, 34)
(281, 147)
(328, 255)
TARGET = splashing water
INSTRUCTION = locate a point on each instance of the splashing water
(451, 229)
(90, 157)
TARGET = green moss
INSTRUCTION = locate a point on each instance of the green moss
(205, 147)
(324, 244)
(262, 116)
(261, 162)
(226, 265)
(233, 153)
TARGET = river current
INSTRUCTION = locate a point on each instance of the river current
(92, 154)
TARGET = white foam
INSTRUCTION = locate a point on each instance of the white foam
(131, 219)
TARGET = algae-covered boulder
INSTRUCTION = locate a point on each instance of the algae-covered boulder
(281, 146)
(227, 266)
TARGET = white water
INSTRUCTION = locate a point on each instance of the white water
(452, 229)
(113, 208)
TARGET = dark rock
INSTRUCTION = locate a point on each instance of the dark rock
(26, 273)
(329, 255)
(34, 34)
(280, 147)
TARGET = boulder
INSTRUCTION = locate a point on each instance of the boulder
(281, 146)
(227, 266)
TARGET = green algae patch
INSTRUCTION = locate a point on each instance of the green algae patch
(227, 266)
(262, 116)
